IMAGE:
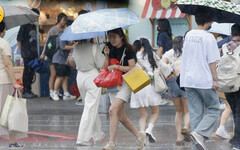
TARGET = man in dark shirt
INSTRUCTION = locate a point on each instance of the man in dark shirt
(27, 43)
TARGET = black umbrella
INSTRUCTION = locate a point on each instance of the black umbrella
(223, 12)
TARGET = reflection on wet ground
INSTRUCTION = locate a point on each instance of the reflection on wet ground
(54, 126)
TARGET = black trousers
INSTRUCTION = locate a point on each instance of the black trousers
(28, 74)
(234, 102)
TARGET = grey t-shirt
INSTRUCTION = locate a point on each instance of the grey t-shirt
(53, 31)
(60, 57)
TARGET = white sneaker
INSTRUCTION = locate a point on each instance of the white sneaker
(222, 133)
(198, 140)
(98, 139)
(69, 97)
(55, 96)
(222, 106)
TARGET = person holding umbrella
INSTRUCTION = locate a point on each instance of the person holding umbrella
(116, 48)
(198, 76)
(27, 44)
(87, 64)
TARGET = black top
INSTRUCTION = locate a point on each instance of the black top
(27, 35)
(165, 41)
(118, 52)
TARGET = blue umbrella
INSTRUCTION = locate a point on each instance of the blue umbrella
(98, 22)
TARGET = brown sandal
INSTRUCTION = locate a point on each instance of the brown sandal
(186, 134)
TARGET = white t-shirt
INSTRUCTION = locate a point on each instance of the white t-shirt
(5, 49)
(199, 50)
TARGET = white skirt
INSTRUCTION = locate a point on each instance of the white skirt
(145, 98)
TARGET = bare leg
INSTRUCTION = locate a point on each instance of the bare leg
(117, 112)
(126, 122)
(65, 84)
(52, 77)
(143, 118)
(12, 138)
(58, 83)
(154, 114)
(225, 114)
(178, 117)
(186, 113)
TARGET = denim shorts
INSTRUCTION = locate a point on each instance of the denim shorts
(174, 90)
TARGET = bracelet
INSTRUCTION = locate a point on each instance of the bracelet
(215, 79)
(118, 67)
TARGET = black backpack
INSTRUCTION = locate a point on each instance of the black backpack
(51, 47)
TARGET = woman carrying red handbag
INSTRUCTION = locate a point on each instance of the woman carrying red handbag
(119, 48)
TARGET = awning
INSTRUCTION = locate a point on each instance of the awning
(150, 12)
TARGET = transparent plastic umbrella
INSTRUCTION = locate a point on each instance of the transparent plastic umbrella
(98, 22)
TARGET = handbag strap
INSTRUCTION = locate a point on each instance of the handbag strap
(94, 52)
(123, 55)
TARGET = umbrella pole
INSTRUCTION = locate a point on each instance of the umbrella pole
(189, 20)
(153, 33)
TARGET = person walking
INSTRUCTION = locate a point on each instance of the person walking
(88, 57)
(164, 37)
(27, 44)
(233, 97)
(198, 76)
(116, 48)
(7, 85)
(221, 131)
(178, 96)
(147, 97)
(55, 30)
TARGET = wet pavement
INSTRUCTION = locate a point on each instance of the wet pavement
(54, 126)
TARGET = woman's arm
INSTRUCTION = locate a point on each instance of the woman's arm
(106, 60)
(131, 64)
(9, 68)
(160, 52)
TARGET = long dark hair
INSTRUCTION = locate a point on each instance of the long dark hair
(120, 32)
(148, 50)
(164, 26)
(178, 45)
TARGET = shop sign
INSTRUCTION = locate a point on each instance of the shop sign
(165, 4)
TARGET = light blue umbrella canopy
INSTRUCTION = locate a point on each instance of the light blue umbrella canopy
(97, 23)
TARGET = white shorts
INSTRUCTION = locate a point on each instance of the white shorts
(124, 93)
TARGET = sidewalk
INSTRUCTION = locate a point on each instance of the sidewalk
(54, 126)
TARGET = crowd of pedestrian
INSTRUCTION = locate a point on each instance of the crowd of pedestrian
(193, 59)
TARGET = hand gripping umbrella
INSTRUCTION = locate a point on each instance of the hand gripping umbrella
(15, 16)
(98, 22)
(223, 12)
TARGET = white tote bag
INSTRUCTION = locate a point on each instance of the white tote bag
(18, 117)
(159, 81)
(5, 111)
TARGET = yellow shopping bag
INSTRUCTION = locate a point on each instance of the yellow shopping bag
(5, 111)
(136, 79)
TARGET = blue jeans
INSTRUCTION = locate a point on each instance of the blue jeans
(198, 101)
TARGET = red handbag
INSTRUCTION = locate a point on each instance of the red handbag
(109, 79)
